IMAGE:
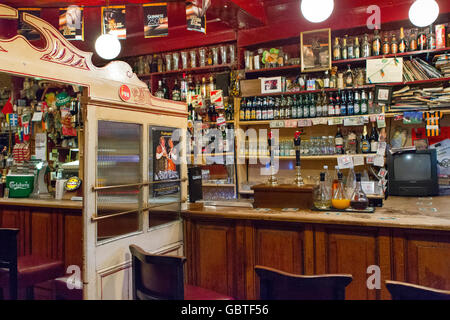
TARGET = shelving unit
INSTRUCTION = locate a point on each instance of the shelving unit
(198, 70)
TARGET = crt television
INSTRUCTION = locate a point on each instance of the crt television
(413, 173)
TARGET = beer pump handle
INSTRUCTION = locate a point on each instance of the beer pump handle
(297, 143)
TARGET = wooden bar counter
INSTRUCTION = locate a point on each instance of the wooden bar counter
(408, 238)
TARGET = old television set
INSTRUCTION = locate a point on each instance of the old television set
(413, 173)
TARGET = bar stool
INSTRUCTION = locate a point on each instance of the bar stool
(24, 271)
(408, 291)
(279, 285)
(157, 277)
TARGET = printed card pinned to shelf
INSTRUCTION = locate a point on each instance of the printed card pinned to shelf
(381, 121)
(356, 121)
(358, 161)
(221, 121)
(368, 187)
(370, 159)
(277, 124)
(382, 173)
(290, 123)
(381, 151)
(335, 121)
(304, 123)
(378, 161)
(217, 98)
(345, 162)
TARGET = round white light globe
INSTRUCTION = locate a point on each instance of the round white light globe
(317, 10)
(107, 46)
(423, 12)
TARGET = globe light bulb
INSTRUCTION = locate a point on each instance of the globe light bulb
(317, 10)
(107, 46)
(423, 12)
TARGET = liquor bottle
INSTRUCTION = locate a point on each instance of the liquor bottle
(339, 142)
(248, 113)
(253, 110)
(198, 90)
(312, 106)
(413, 41)
(184, 88)
(294, 108)
(376, 43)
(340, 200)
(288, 111)
(319, 107)
(350, 104)
(431, 39)
(386, 46)
(203, 90)
(337, 50)
(343, 104)
(359, 200)
(176, 92)
(211, 86)
(344, 50)
(364, 107)
(305, 106)
(357, 103)
(422, 40)
(265, 109)
(331, 104)
(300, 106)
(326, 80)
(402, 43)
(154, 66)
(357, 49)
(350, 51)
(160, 91)
(335, 180)
(242, 109)
(349, 78)
(258, 109)
(366, 51)
(282, 108)
(276, 108)
(322, 197)
(324, 105)
(337, 104)
(365, 145)
(394, 45)
(373, 140)
(270, 112)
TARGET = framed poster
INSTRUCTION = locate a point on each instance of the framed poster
(384, 70)
(383, 95)
(71, 23)
(113, 21)
(195, 17)
(24, 28)
(271, 85)
(315, 50)
(156, 22)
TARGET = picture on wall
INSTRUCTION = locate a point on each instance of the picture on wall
(71, 23)
(113, 21)
(156, 22)
(315, 50)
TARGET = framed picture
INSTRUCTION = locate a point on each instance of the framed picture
(383, 95)
(421, 144)
(271, 85)
(315, 50)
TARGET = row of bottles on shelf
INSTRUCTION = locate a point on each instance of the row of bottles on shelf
(353, 143)
(341, 103)
(417, 40)
(211, 114)
(207, 139)
(186, 88)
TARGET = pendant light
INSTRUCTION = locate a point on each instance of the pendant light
(108, 46)
(317, 10)
(423, 12)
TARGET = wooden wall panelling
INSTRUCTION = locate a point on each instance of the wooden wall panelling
(73, 239)
(250, 275)
(17, 217)
(240, 260)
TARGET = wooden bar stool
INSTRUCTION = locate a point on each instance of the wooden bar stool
(157, 277)
(279, 285)
(408, 291)
(24, 271)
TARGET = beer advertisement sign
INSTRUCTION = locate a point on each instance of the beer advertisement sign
(113, 21)
(71, 23)
(156, 22)
(195, 17)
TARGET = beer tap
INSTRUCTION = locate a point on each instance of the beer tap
(272, 180)
(297, 142)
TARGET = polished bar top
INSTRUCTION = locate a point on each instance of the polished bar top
(44, 203)
(399, 212)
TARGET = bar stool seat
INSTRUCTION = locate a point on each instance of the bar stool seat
(62, 292)
(32, 270)
(198, 293)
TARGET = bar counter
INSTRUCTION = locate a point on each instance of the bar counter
(408, 238)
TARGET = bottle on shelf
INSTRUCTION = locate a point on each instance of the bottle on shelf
(337, 50)
(203, 90)
(253, 110)
(413, 40)
(422, 40)
(184, 88)
(242, 108)
(343, 100)
(337, 104)
(210, 87)
(282, 108)
(160, 91)
(324, 105)
(294, 107)
(340, 200)
(258, 109)
(394, 44)
(349, 78)
(328, 179)
(376, 43)
(305, 106)
(312, 106)
(357, 103)
(248, 108)
(350, 103)
(357, 49)
(365, 144)
(176, 91)
(331, 105)
(344, 50)
(431, 39)
(359, 200)
(365, 48)
(386, 46)
(165, 90)
(373, 139)
(300, 106)
(339, 142)
(350, 49)
(265, 109)
(288, 111)
(364, 102)
(402, 43)
(322, 197)
(326, 80)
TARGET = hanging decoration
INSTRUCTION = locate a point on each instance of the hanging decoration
(71, 23)
(25, 29)
(156, 22)
(196, 15)
(113, 21)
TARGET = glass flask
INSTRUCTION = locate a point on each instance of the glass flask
(193, 55)
(176, 60)
(202, 56)
(359, 199)
(340, 200)
(184, 59)
(168, 62)
(322, 197)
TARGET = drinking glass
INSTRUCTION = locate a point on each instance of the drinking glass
(223, 54)
(202, 56)
(324, 145)
(232, 54)
(184, 59)
(193, 54)
(248, 60)
(168, 62)
(215, 52)
(176, 60)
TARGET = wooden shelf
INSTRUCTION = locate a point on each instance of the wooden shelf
(410, 53)
(207, 69)
(289, 93)
(267, 122)
(218, 185)
(323, 157)
(272, 70)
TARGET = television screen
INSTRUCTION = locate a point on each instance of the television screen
(412, 167)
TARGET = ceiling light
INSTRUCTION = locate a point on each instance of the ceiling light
(423, 12)
(317, 10)
(107, 46)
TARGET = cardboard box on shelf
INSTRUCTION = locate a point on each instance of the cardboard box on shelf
(250, 87)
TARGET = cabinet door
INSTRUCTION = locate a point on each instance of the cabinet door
(423, 258)
(341, 250)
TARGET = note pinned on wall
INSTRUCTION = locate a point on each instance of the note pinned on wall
(384, 70)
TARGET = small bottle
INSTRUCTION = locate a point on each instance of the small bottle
(350, 51)
(322, 198)
(431, 39)
(359, 200)
(413, 41)
(365, 144)
(421, 40)
(176, 92)
(366, 51)
(349, 78)
(373, 140)
(337, 50)
(357, 49)
(339, 142)
(340, 200)
(344, 51)
(402, 43)
(326, 80)
(394, 45)
(160, 92)
(386, 46)
(376, 44)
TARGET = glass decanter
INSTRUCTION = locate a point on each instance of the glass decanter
(359, 200)
(322, 197)
(340, 200)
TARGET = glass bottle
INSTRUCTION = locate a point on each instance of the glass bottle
(402, 43)
(350, 51)
(365, 144)
(359, 200)
(339, 142)
(349, 78)
(343, 107)
(340, 200)
(344, 51)
(324, 105)
(211, 86)
(394, 45)
(422, 40)
(366, 51)
(326, 80)
(331, 106)
(357, 49)
(312, 106)
(386, 46)
(203, 90)
(300, 106)
(160, 92)
(258, 109)
(357, 103)
(322, 197)
(176, 92)
(337, 50)
(376, 44)
(242, 109)
(431, 39)
(373, 140)
(350, 104)
(364, 102)
(413, 40)
(294, 107)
